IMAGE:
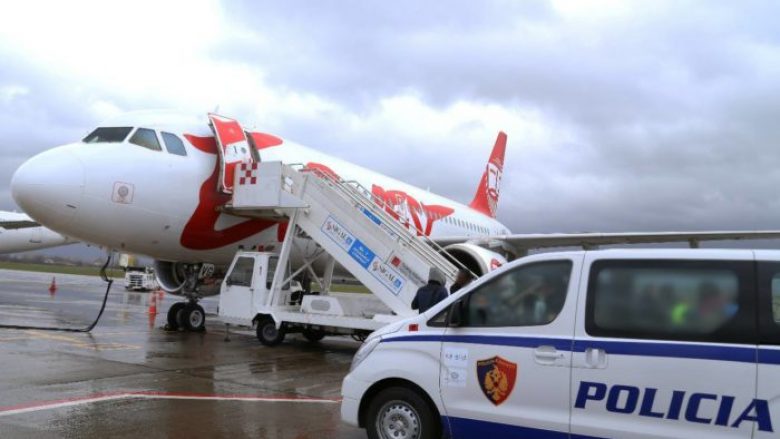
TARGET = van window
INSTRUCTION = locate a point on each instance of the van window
(672, 300)
(769, 302)
(242, 272)
(776, 298)
(174, 144)
(529, 295)
(146, 138)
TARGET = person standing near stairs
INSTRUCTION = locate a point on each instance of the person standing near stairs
(431, 293)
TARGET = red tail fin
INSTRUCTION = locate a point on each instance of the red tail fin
(486, 198)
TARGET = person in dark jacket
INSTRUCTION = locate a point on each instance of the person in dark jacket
(431, 293)
(464, 278)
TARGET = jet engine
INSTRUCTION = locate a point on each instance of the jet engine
(173, 277)
(477, 259)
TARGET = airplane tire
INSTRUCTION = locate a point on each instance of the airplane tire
(267, 332)
(313, 335)
(194, 317)
(173, 313)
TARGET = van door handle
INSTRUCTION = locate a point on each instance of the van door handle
(595, 358)
(548, 354)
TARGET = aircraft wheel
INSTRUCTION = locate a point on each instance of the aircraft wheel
(194, 317)
(173, 316)
(267, 332)
(313, 335)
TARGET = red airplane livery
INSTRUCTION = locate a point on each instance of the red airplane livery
(152, 183)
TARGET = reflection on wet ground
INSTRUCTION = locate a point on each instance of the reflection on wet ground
(130, 378)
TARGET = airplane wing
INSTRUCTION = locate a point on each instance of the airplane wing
(9, 225)
(14, 220)
(593, 240)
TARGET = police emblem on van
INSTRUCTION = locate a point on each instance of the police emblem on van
(496, 378)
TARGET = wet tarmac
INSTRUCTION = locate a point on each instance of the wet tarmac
(130, 378)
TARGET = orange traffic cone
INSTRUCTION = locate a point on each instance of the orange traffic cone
(53, 286)
(153, 304)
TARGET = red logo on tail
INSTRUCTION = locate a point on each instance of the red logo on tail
(486, 198)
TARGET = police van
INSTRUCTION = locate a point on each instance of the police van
(588, 344)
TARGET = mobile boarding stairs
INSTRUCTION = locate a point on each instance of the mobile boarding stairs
(350, 227)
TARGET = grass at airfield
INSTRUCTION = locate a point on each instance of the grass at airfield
(59, 269)
(346, 288)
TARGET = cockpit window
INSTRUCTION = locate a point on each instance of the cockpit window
(174, 144)
(146, 138)
(108, 135)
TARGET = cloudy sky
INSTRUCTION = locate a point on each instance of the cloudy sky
(621, 116)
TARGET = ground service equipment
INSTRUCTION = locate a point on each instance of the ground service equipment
(351, 228)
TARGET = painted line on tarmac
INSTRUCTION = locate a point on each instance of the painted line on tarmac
(102, 397)
(80, 342)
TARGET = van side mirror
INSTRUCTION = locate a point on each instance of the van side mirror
(455, 316)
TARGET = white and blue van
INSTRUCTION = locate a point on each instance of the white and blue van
(587, 344)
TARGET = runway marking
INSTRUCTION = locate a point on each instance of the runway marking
(73, 341)
(112, 396)
(79, 342)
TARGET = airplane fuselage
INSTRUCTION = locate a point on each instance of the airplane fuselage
(165, 206)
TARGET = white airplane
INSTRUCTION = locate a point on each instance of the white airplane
(152, 183)
(20, 233)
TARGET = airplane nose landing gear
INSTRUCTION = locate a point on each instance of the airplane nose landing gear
(192, 317)
(189, 315)
(172, 323)
(186, 315)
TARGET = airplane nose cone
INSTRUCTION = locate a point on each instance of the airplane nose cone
(49, 187)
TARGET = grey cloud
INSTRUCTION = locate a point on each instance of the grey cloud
(670, 114)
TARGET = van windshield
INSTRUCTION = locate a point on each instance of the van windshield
(108, 135)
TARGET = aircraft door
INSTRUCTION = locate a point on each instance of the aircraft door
(233, 148)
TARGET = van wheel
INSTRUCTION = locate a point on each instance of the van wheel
(398, 412)
(313, 335)
(173, 312)
(267, 332)
(193, 317)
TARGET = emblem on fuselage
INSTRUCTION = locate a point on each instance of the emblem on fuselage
(123, 193)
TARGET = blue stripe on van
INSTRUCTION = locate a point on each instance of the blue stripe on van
(769, 356)
(497, 340)
(697, 351)
(463, 427)
(738, 354)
